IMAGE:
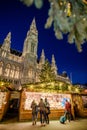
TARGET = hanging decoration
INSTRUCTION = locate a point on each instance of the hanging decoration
(68, 9)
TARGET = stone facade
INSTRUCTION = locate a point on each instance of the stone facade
(23, 67)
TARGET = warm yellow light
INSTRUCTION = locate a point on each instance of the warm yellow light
(61, 3)
(52, 83)
(76, 89)
(68, 9)
(31, 86)
(60, 84)
(1, 83)
(42, 85)
(69, 87)
(85, 1)
(84, 19)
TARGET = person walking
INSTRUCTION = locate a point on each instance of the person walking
(47, 110)
(34, 112)
(68, 110)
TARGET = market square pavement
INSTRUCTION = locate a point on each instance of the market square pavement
(79, 124)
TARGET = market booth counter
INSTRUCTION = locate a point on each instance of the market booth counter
(56, 97)
(56, 100)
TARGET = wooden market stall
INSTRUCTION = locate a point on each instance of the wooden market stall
(56, 101)
(4, 100)
(55, 98)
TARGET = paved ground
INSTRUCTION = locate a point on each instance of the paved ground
(80, 124)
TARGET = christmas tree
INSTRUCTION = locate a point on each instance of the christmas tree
(47, 75)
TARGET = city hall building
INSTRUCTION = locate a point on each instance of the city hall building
(23, 68)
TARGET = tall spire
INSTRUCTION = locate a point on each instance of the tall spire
(53, 65)
(31, 39)
(7, 42)
(42, 57)
(33, 27)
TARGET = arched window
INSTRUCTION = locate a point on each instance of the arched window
(17, 73)
(32, 48)
(7, 70)
(12, 71)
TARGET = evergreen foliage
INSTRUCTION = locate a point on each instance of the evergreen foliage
(68, 17)
(47, 74)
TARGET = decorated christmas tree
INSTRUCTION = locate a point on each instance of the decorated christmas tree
(47, 75)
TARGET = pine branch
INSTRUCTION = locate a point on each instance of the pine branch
(67, 17)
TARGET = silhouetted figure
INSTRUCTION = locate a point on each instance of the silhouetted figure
(34, 112)
(47, 110)
(41, 105)
(68, 110)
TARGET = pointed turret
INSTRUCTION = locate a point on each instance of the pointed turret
(33, 27)
(53, 65)
(7, 42)
(31, 40)
(42, 57)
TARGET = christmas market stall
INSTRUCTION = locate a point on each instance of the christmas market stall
(52, 91)
(4, 99)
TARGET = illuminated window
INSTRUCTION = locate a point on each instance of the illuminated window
(16, 73)
(12, 71)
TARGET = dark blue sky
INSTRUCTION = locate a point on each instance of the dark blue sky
(16, 18)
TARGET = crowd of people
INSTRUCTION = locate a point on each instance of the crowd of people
(43, 107)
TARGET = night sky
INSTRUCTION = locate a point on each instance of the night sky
(15, 17)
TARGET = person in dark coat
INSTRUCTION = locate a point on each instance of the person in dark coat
(47, 110)
(41, 106)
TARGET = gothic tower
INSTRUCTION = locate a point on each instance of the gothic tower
(5, 48)
(53, 65)
(29, 54)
